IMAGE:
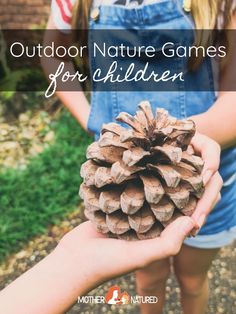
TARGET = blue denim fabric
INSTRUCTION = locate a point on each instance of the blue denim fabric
(166, 14)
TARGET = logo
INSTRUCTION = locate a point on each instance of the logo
(114, 296)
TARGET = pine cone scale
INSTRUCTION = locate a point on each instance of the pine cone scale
(109, 201)
(170, 176)
(132, 199)
(117, 223)
(143, 220)
(164, 210)
(152, 188)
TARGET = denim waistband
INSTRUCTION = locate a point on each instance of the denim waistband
(163, 10)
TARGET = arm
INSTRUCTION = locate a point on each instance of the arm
(75, 101)
(83, 260)
(219, 122)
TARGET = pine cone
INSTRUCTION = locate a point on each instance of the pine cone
(139, 179)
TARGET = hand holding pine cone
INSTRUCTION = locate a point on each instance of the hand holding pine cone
(139, 179)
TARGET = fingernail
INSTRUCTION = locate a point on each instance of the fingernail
(195, 230)
(206, 176)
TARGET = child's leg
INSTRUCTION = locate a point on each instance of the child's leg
(151, 281)
(191, 266)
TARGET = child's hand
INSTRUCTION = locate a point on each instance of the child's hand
(210, 152)
(100, 258)
(83, 260)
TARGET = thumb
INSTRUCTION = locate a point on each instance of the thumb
(179, 228)
(168, 244)
(175, 233)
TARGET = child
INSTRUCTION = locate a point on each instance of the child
(193, 261)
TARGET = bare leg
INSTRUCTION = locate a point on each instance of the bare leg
(191, 266)
(151, 281)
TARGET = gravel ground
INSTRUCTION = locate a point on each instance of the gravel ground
(25, 137)
(222, 276)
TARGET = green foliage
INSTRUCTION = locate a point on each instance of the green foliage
(6, 95)
(40, 195)
(26, 79)
(9, 83)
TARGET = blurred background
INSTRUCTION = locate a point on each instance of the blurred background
(41, 150)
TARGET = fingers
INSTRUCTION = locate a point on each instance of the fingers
(210, 153)
(175, 233)
(209, 199)
(168, 244)
(85, 231)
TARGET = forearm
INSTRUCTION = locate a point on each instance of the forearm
(219, 122)
(70, 93)
(77, 104)
(52, 286)
(83, 260)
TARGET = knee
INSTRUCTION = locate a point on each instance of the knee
(192, 285)
(148, 281)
